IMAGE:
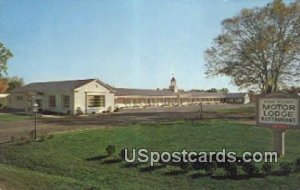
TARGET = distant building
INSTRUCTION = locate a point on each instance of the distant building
(239, 98)
(94, 96)
(125, 97)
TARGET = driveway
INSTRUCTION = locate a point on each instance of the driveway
(124, 117)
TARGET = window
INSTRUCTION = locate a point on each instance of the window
(51, 101)
(65, 101)
(19, 97)
(96, 101)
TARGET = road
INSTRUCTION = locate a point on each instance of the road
(124, 117)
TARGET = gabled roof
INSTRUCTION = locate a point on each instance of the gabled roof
(142, 92)
(112, 89)
(57, 85)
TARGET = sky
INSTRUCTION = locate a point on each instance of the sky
(125, 43)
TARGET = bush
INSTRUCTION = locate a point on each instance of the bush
(197, 165)
(210, 167)
(78, 111)
(110, 149)
(286, 167)
(231, 169)
(122, 154)
(43, 134)
(185, 166)
(267, 168)
(297, 164)
(250, 168)
(117, 109)
(49, 112)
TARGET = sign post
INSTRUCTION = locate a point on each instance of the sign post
(280, 112)
(279, 141)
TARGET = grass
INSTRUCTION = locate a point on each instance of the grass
(14, 117)
(240, 110)
(77, 160)
(19, 178)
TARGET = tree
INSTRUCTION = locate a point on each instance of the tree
(291, 90)
(223, 90)
(14, 82)
(259, 48)
(197, 90)
(212, 90)
(5, 54)
(3, 86)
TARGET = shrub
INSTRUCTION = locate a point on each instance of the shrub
(250, 168)
(49, 112)
(185, 166)
(117, 109)
(297, 164)
(78, 111)
(43, 134)
(122, 154)
(231, 169)
(197, 165)
(210, 167)
(267, 168)
(110, 149)
(286, 167)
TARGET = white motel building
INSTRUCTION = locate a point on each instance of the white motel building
(94, 96)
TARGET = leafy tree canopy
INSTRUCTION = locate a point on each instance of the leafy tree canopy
(5, 54)
(3, 86)
(14, 82)
(259, 48)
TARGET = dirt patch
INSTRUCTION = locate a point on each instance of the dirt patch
(3, 184)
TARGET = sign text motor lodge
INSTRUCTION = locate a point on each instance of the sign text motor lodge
(279, 111)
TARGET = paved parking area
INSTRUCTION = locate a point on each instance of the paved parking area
(124, 117)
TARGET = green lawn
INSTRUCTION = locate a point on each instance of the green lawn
(60, 163)
(14, 117)
(241, 110)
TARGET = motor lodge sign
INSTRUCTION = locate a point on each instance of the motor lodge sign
(278, 110)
